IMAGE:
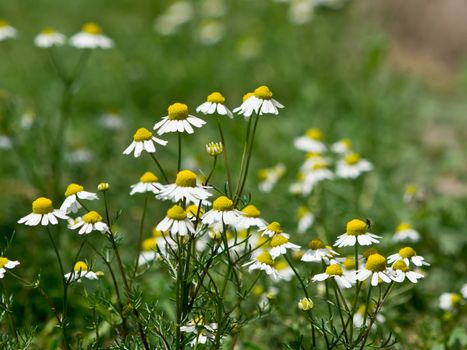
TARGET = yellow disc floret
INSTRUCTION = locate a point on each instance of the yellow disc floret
(403, 226)
(356, 227)
(142, 134)
(278, 240)
(149, 244)
(48, 31)
(216, 97)
(263, 93)
(80, 266)
(347, 143)
(265, 258)
(42, 205)
(250, 211)
(4, 24)
(352, 158)
(73, 189)
(274, 227)
(305, 304)
(176, 213)
(456, 298)
(376, 263)
(199, 320)
(3, 261)
(193, 210)
(92, 217)
(148, 177)
(222, 203)
(334, 270)
(368, 252)
(281, 265)
(349, 263)
(178, 111)
(316, 243)
(400, 265)
(407, 252)
(247, 96)
(314, 134)
(92, 28)
(186, 178)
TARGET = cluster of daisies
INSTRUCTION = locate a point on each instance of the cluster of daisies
(452, 303)
(90, 37)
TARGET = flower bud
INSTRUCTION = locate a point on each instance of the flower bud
(103, 186)
(305, 304)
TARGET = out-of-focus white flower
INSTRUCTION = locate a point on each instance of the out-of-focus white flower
(352, 166)
(27, 119)
(301, 11)
(405, 233)
(318, 252)
(91, 37)
(450, 301)
(6, 31)
(80, 155)
(251, 217)
(5, 263)
(5, 142)
(204, 331)
(111, 120)
(148, 251)
(342, 147)
(213, 8)
(270, 176)
(49, 37)
(174, 17)
(211, 32)
(305, 219)
(312, 141)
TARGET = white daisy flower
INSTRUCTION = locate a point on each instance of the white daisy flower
(80, 270)
(342, 146)
(215, 104)
(264, 262)
(305, 219)
(464, 290)
(177, 222)
(91, 221)
(284, 269)
(352, 166)
(316, 173)
(259, 102)
(5, 263)
(318, 252)
(143, 140)
(312, 158)
(5, 142)
(404, 233)
(111, 120)
(201, 328)
(279, 245)
(450, 301)
(222, 211)
(411, 193)
(376, 269)
(269, 177)
(42, 213)
(356, 233)
(251, 217)
(409, 255)
(312, 141)
(399, 271)
(214, 148)
(333, 271)
(148, 251)
(73, 194)
(49, 37)
(91, 37)
(147, 183)
(6, 31)
(185, 188)
(178, 120)
(272, 229)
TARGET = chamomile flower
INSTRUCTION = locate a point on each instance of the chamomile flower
(450, 301)
(215, 104)
(214, 148)
(376, 269)
(185, 188)
(222, 211)
(251, 217)
(284, 269)
(73, 194)
(312, 141)
(318, 251)
(91, 37)
(316, 173)
(143, 140)
(147, 183)
(148, 251)
(91, 221)
(312, 158)
(42, 213)
(201, 329)
(264, 262)
(80, 270)
(280, 244)
(269, 177)
(178, 120)
(176, 221)
(111, 120)
(409, 255)
(259, 102)
(6, 263)
(5, 142)
(411, 193)
(352, 166)
(399, 271)
(333, 271)
(194, 212)
(49, 37)
(405, 232)
(272, 229)
(6, 31)
(305, 304)
(305, 219)
(342, 146)
(356, 232)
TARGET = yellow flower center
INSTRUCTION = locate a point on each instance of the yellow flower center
(314, 134)
(48, 31)
(263, 93)
(199, 320)
(148, 177)
(316, 243)
(4, 24)
(92, 217)
(302, 212)
(403, 226)
(80, 266)
(247, 96)
(361, 309)
(156, 233)
(142, 134)
(311, 155)
(368, 252)
(250, 211)
(411, 189)
(73, 189)
(407, 252)
(319, 165)
(281, 265)
(3, 261)
(352, 158)
(178, 111)
(216, 97)
(265, 258)
(274, 227)
(349, 263)
(258, 290)
(278, 240)
(42, 205)
(149, 244)
(376, 263)
(222, 204)
(186, 178)
(176, 213)
(334, 270)
(456, 298)
(193, 210)
(263, 174)
(262, 241)
(400, 265)
(356, 227)
(92, 28)
(347, 143)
